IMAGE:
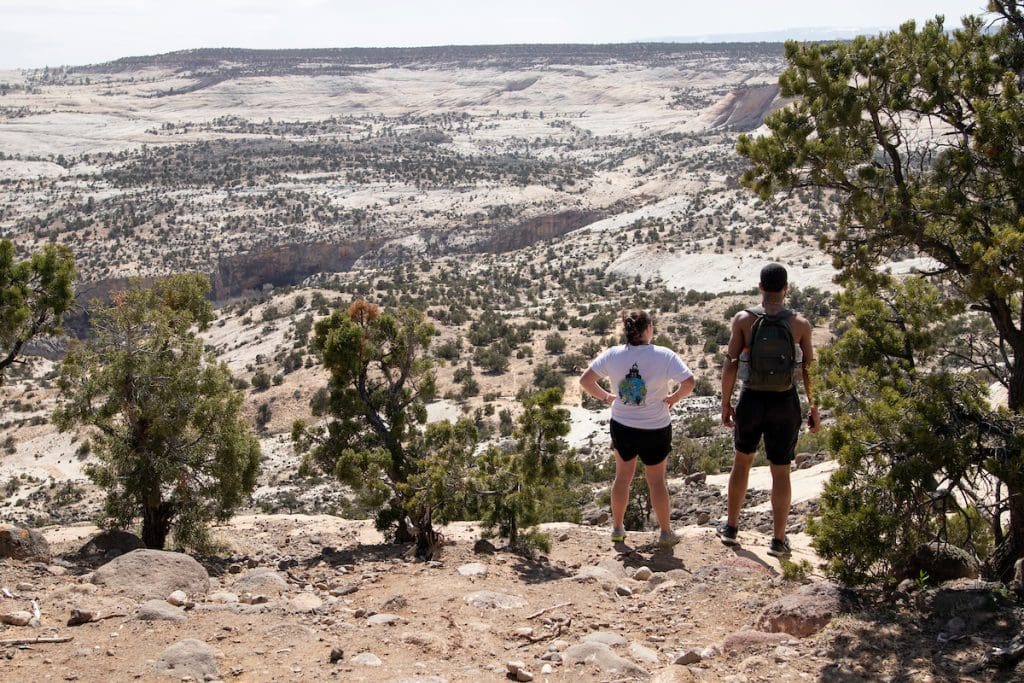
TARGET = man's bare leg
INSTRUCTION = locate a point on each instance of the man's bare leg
(782, 496)
(738, 486)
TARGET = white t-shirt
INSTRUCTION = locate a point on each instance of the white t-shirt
(640, 378)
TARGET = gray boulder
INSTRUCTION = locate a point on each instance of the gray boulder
(153, 574)
(602, 657)
(941, 562)
(975, 600)
(159, 610)
(189, 658)
(112, 542)
(803, 613)
(23, 544)
(262, 581)
(493, 600)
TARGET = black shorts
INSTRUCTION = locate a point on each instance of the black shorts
(772, 414)
(652, 445)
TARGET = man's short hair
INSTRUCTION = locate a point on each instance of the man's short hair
(773, 277)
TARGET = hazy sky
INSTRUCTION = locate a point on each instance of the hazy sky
(35, 33)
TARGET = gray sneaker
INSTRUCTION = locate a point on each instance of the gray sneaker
(618, 535)
(727, 533)
(779, 548)
(667, 539)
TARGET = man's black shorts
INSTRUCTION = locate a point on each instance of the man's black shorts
(652, 445)
(772, 414)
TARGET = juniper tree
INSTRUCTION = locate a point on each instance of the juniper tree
(529, 482)
(34, 295)
(376, 439)
(915, 436)
(918, 136)
(168, 432)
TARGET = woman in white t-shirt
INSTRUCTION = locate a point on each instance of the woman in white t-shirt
(641, 423)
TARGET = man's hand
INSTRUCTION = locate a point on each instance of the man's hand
(728, 415)
(813, 420)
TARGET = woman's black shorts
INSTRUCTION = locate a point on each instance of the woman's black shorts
(775, 415)
(652, 445)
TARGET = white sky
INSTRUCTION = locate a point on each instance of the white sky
(36, 33)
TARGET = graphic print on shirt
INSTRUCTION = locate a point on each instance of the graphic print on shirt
(632, 388)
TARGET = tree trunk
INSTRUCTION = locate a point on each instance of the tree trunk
(428, 540)
(1012, 547)
(156, 524)
(1015, 392)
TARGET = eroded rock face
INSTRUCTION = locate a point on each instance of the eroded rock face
(283, 265)
(23, 544)
(153, 574)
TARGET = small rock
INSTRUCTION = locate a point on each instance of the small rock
(784, 653)
(623, 590)
(956, 626)
(263, 581)
(596, 517)
(643, 574)
(547, 670)
(304, 603)
(514, 666)
(609, 638)
(484, 547)
(80, 616)
(224, 598)
(24, 587)
(23, 544)
(383, 619)
(19, 618)
(644, 654)
(367, 659)
(703, 518)
(337, 654)
(687, 657)
(159, 610)
(602, 656)
(394, 604)
(177, 598)
(189, 658)
(234, 568)
(524, 632)
(474, 569)
(344, 590)
(492, 600)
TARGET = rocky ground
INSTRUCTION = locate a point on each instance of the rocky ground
(306, 598)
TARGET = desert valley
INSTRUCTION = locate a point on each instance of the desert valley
(519, 196)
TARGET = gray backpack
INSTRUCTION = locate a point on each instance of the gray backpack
(772, 351)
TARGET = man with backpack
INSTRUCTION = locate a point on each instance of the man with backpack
(765, 351)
